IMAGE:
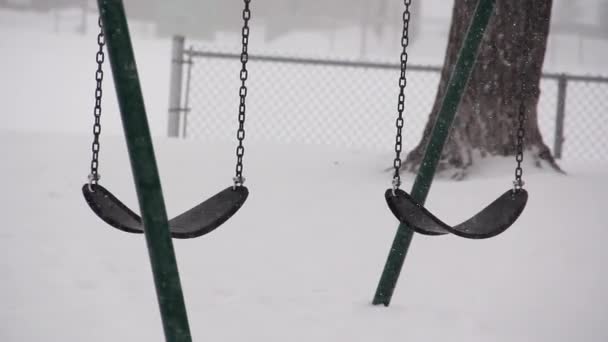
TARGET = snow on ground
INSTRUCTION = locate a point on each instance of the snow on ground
(300, 261)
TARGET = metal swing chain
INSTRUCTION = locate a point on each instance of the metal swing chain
(99, 57)
(240, 150)
(401, 100)
(518, 183)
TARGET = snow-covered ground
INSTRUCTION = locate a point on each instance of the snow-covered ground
(300, 261)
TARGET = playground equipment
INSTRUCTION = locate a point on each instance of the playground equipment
(159, 230)
(199, 220)
(409, 209)
(154, 221)
(490, 221)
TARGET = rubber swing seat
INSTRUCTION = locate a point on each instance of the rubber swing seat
(198, 221)
(490, 221)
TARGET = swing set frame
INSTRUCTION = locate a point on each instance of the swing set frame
(147, 181)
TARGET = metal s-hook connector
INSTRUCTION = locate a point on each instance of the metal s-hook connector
(93, 178)
(396, 185)
(518, 184)
(238, 181)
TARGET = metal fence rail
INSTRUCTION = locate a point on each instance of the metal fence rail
(352, 104)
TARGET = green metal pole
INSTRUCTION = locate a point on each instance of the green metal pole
(145, 172)
(456, 87)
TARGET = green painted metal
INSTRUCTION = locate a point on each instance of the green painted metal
(145, 171)
(449, 106)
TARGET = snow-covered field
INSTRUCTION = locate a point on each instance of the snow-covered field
(300, 261)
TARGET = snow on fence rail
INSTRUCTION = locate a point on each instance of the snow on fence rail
(353, 104)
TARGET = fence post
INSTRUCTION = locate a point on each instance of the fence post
(84, 8)
(175, 84)
(186, 109)
(562, 84)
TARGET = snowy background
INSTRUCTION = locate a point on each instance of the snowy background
(301, 260)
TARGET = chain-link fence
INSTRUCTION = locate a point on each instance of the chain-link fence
(353, 104)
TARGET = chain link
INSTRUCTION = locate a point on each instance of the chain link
(401, 98)
(240, 150)
(518, 183)
(99, 58)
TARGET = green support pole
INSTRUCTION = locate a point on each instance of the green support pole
(456, 87)
(145, 172)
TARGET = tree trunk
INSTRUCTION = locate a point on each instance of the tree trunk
(508, 70)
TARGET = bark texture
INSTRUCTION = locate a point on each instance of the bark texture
(508, 70)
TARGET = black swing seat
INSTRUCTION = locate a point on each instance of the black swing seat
(491, 221)
(195, 222)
